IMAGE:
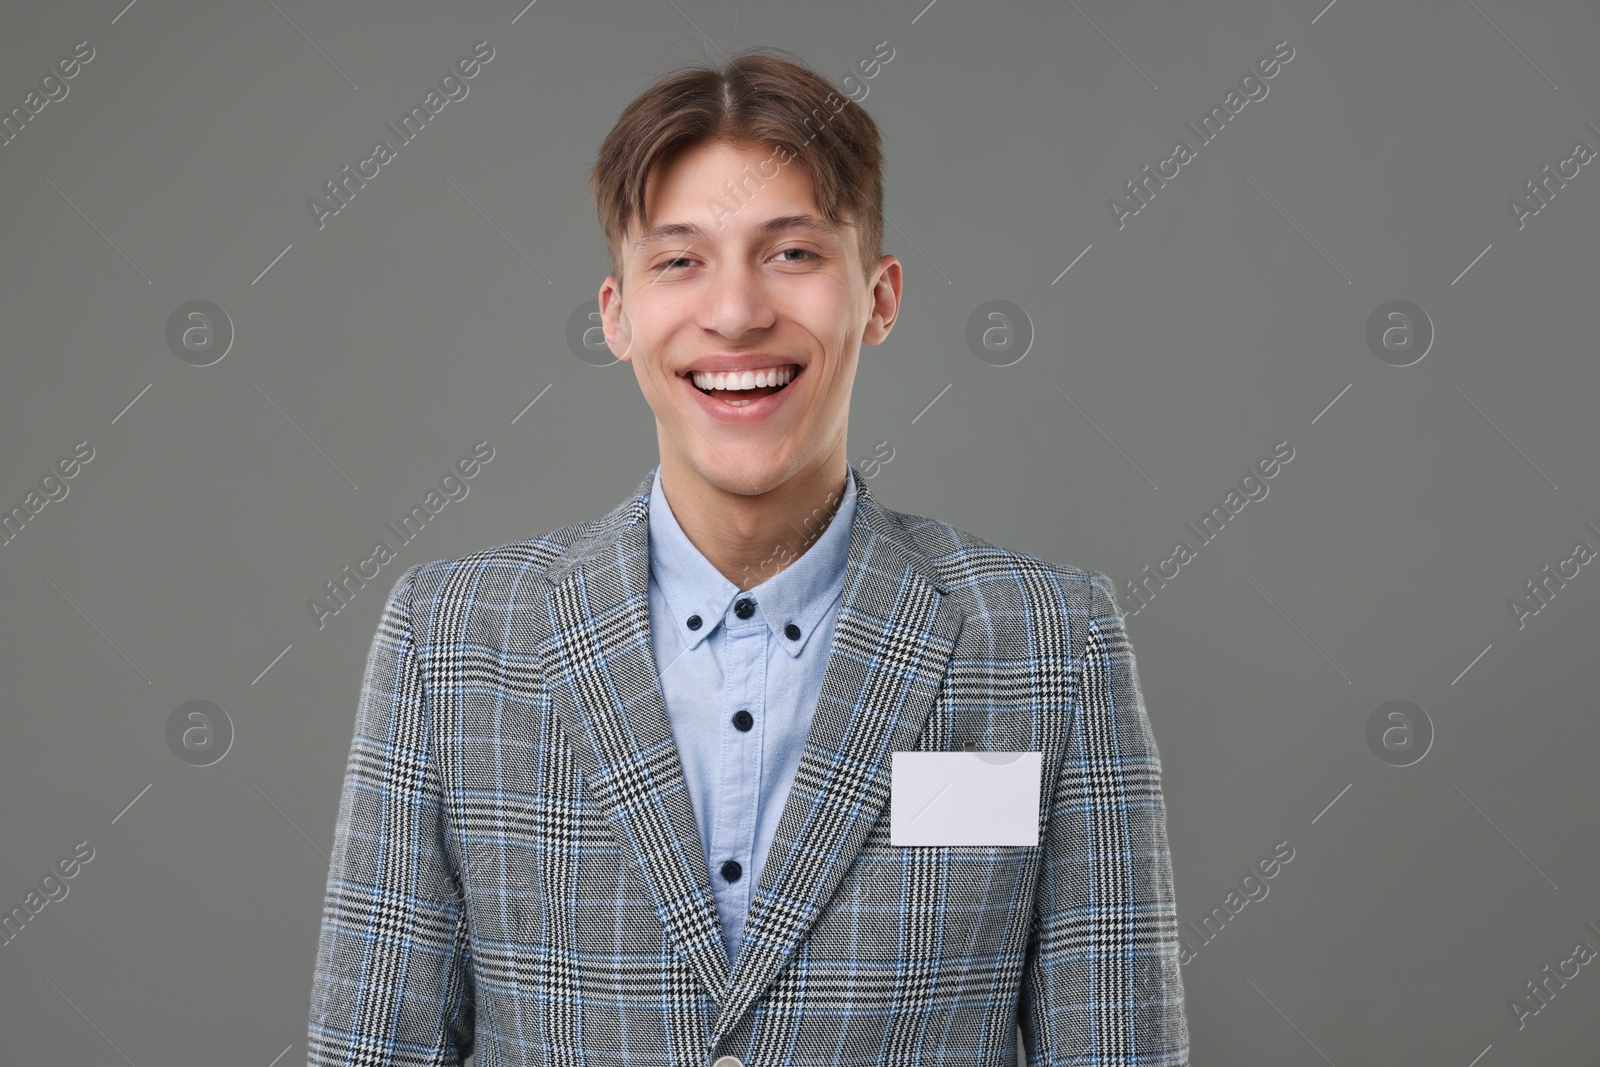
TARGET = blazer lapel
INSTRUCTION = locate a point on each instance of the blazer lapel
(601, 670)
(896, 629)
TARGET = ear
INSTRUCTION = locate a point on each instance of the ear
(619, 338)
(885, 297)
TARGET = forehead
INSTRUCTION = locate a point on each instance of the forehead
(714, 190)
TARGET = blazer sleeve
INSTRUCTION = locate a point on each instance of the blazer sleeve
(1101, 982)
(393, 983)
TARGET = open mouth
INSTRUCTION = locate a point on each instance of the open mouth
(742, 397)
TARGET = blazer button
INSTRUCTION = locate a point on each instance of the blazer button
(727, 1061)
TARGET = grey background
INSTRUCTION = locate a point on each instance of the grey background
(1228, 315)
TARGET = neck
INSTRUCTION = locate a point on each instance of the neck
(750, 538)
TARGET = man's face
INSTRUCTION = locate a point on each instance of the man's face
(731, 269)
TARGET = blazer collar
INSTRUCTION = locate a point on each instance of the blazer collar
(895, 631)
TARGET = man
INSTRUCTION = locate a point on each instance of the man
(623, 793)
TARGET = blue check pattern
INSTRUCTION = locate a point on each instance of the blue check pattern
(517, 870)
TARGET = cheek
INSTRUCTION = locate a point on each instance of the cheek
(822, 301)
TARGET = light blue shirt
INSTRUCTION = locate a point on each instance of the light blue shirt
(720, 672)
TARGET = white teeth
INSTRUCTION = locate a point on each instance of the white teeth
(745, 379)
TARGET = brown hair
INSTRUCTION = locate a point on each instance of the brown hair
(757, 97)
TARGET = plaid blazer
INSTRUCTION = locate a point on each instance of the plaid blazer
(517, 871)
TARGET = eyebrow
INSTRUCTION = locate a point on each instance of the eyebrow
(674, 230)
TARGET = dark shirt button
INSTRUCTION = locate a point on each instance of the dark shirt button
(694, 622)
(731, 870)
(792, 632)
(743, 719)
(744, 608)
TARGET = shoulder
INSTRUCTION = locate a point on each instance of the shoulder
(504, 574)
(986, 576)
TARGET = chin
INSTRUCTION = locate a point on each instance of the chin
(746, 473)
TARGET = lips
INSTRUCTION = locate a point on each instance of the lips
(742, 362)
(758, 409)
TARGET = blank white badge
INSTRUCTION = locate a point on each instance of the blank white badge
(965, 798)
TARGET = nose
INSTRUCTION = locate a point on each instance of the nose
(735, 301)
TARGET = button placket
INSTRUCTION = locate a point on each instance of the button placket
(744, 688)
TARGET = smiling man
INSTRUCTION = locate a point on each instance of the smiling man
(744, 330)
(747, 305)
(752, 769)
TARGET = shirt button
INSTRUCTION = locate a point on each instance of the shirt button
(694, 622)
(743, 719)
(727, 1061)
(731, 870)
(792, 632)
(744, 608)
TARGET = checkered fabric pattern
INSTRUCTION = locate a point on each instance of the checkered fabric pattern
(517, 870)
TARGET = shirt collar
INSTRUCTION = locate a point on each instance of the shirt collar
(800, 593)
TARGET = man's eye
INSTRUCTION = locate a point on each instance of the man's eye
(671, 264)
